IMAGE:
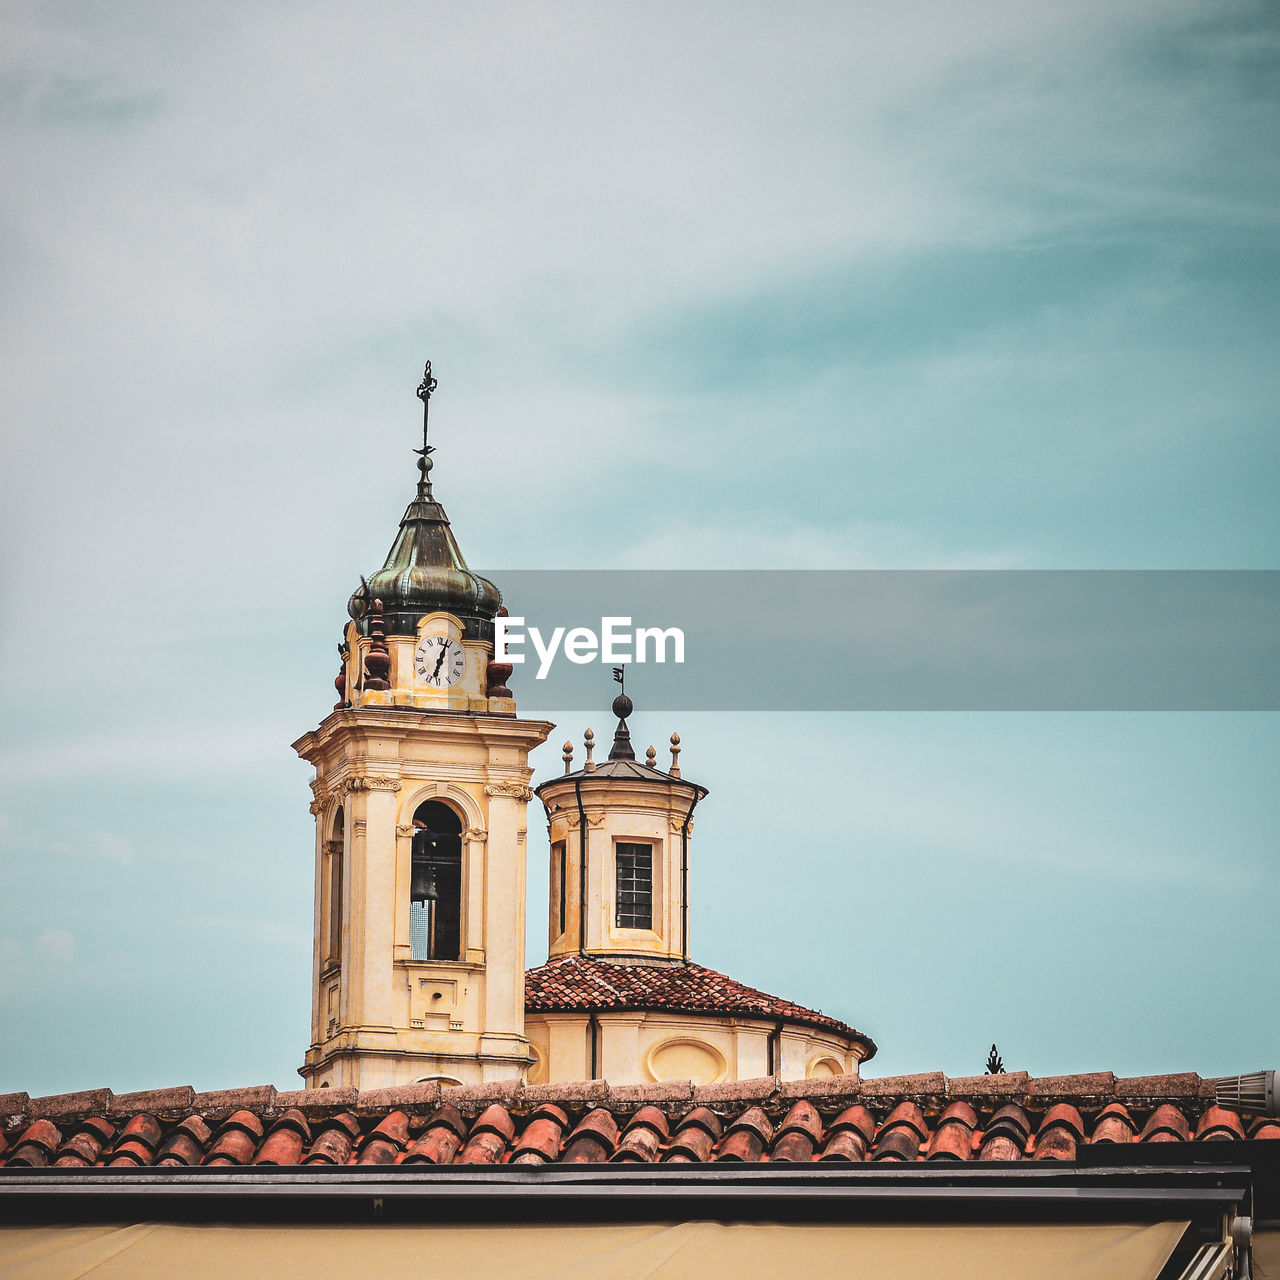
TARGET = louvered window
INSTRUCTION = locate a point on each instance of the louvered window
(635, 886)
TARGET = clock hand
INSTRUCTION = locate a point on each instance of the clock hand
(439, 660)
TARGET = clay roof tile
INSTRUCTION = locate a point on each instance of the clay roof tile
(747, 1138)
(540, 1141)
(39, 1139)
(186, 1144)
(643, 1137)
(1218, 1123)
(1114, 1124)
(800, 1134)
(285, 1143)
(594, 1139)
(1166, 1124)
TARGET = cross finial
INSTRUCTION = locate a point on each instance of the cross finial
(425, 388)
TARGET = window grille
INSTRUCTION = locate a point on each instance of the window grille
(635, 886)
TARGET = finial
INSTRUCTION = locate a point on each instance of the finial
(425, 388)
(377, 662)
(651, 756)
(340, 683)
(675, 755)
(497, 674)
(589, 741)
(568, 757)
(622, 708)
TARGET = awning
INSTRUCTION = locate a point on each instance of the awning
(646, 1251)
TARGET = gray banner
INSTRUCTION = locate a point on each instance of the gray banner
(899, 640)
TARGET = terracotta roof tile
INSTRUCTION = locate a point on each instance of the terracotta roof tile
(1218, 1123)
(953, 1138)
(286, 1141)
(747, 1137)
(37, 1141)
(920, 1119)
(490, 1136)
(439, 1141)
(1166, 1124)
(1061, 1132)
(1114, 1125)
(583, 983)
(693, 1140)
(901, 1135)
(799, 1135)
(1005, 1138)
(85, 1146)
(137, 1142)
(643, 1137)
(335, 1141)
(388, 1139)
(186, 1144)
(237, 1140)
(542, 1136)
(850, 1135)
(594, 1139)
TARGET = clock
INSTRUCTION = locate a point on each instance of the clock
(439, 661)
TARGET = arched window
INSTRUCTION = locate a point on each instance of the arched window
(435, 894)
(333, 854)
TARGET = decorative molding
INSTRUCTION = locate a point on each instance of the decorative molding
(405, 831)
(593, 820)
(372, 782)
(477, 835)
(359, 826)
(517, 790)
(317, 807)
(677, 823)
(521, 836)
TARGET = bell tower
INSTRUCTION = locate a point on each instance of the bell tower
(619, 833)
(421, 788)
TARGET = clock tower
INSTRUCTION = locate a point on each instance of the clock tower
(421, 788)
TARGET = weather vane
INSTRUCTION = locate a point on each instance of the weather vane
(425, 388)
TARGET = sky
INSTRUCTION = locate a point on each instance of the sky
(922, 286)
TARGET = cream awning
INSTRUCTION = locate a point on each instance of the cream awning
(678, 1251)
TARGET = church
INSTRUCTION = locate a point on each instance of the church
(422, 796)
(619, 1110)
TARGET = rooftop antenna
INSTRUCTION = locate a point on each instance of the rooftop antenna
(425, 388)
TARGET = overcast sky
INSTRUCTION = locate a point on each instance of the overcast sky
(705, 285)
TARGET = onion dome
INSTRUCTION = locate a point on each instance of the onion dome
(425, 571)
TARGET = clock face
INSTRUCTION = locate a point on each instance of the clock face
(439, 661)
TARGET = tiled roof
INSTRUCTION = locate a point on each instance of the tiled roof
(584, 983)
(903, 1119)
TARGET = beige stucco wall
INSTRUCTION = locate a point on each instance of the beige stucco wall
(379, 1017)
(641, 1047)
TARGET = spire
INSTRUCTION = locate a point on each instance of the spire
(425, 569)
(622, 708)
